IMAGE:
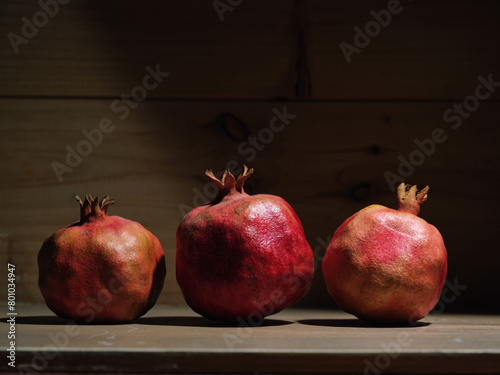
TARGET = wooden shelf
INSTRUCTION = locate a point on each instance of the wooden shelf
(176, 340)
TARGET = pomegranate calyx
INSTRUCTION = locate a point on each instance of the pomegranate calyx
(409, 200)
(91, 209)
(229, 184)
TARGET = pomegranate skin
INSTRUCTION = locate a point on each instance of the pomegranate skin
(242, 257)
(387, 266)
(103, 269)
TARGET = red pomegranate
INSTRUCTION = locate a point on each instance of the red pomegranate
(385, 265)
(102, 268)
(241, 257)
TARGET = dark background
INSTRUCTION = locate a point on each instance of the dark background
(353, 120)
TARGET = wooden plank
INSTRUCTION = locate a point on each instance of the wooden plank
(270, 363)
(426, 51)
(328, 162)
(102, 49)
(175, 340)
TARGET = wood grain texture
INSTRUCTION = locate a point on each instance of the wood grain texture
(175, 340)
(101, 50)
(328, 163)
(428, 50)
(261, 50)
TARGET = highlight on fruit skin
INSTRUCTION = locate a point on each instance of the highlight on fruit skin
(240, 257)
(387, 266)
(101, 269)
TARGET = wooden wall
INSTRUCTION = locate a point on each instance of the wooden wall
(352, 121)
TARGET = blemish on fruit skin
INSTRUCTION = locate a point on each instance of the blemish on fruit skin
(242, 207)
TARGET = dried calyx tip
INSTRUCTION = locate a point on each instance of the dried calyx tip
(242, 177)
(228, 182)
(91, 207)
(409, 200)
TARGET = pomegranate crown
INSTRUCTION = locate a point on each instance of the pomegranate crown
(229, 184)
(91, 209)
(409, 200)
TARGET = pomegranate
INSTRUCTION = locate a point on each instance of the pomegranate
(385, 265)
(101, 268)
(241, 258)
